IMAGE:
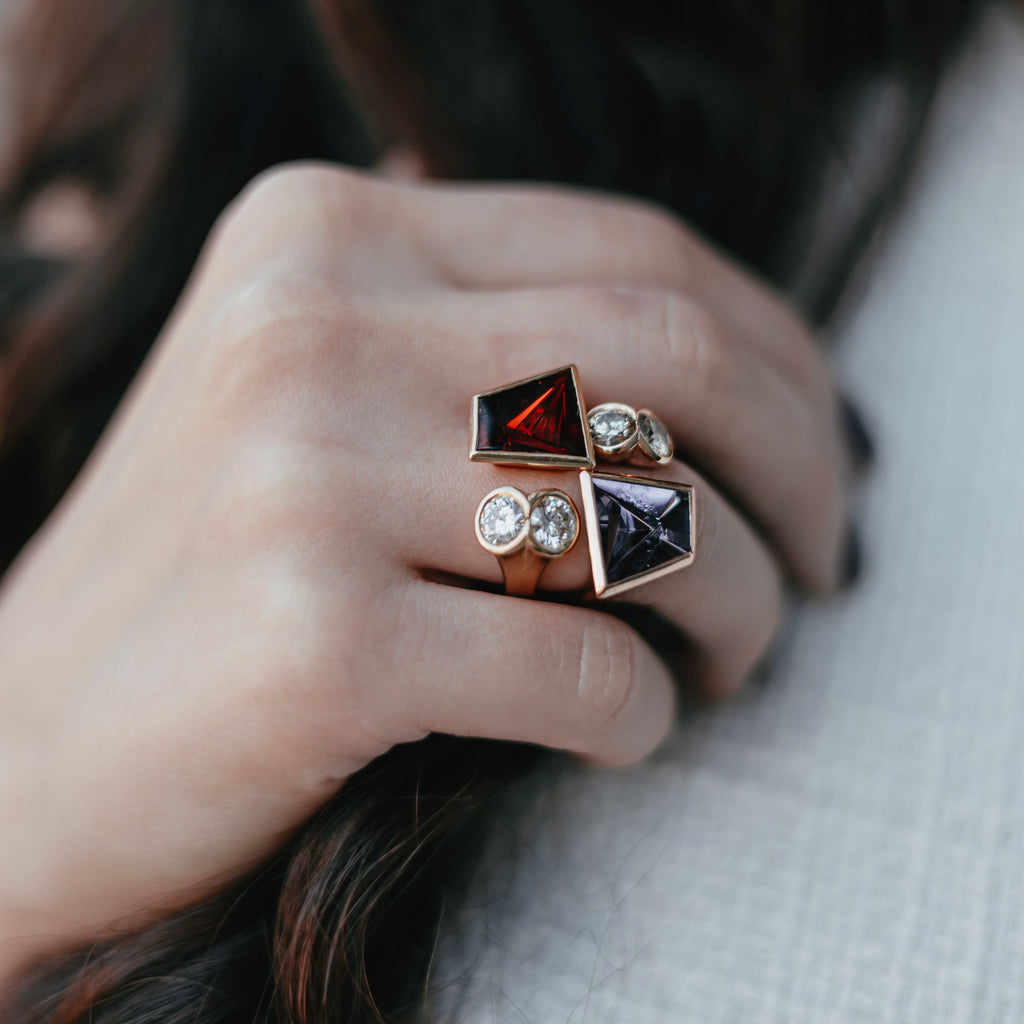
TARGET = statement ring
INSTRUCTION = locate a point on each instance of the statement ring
(638, 529)
(621, 433)
(526, 533)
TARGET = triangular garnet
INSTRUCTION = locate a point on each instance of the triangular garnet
(538, 420)
(638, 527)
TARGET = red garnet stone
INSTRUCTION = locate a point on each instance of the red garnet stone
(541, 417)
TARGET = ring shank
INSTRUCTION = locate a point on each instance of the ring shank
(522, 569)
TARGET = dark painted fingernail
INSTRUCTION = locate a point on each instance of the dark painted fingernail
(857, 435)
(851, 558)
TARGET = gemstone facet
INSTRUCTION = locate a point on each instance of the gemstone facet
(611, 425)
(638, 528)
(653, 432)
(537, 421)
(553, 524)
(501, 520)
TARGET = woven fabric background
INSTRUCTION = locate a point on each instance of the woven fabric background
(844, 845)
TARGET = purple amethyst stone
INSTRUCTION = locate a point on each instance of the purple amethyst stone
(643, 527)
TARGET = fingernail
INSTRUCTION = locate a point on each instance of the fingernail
(851, 558)
(857, 435)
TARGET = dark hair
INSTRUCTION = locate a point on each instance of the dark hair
(727, 113)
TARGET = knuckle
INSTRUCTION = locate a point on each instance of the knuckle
(606, 685)
(651, 244)
(293, 200)
(269, 498)
(253, 328)
(300, 186)
(277, 329)
(695, 347)
(667, 247)
(261, 306)
(625, 306)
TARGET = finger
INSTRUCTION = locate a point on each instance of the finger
(731, 413)
(487, 238)
(521, 237)
(565, 677)
(490, 238)
(727, 601)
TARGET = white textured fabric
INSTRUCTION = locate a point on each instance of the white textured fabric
(845, 844)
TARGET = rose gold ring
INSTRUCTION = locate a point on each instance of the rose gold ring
(620, 433)
(526, 533)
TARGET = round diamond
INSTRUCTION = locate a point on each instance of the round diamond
(653, 431)
(610, 427)
(553, 524)
(501, 520)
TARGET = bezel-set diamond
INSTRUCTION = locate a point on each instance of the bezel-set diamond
(612, 426)
(502, 520)
(554, 525)
(613, 429)
(653, 437)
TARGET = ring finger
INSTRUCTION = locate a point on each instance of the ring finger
(727, 601)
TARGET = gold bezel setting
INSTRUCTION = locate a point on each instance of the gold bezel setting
(536, 501)
(635, 448)
(644, 443)
(517, 498)
(619, 451)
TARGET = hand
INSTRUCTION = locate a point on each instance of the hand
(236, 605)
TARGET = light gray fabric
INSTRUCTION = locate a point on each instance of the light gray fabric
(845, 844)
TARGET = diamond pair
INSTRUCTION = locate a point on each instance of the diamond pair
(526, 533)
(507, 519)
(621, 433)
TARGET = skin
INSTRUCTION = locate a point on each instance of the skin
(236, 605)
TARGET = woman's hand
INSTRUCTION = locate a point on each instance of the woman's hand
(236, 605)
